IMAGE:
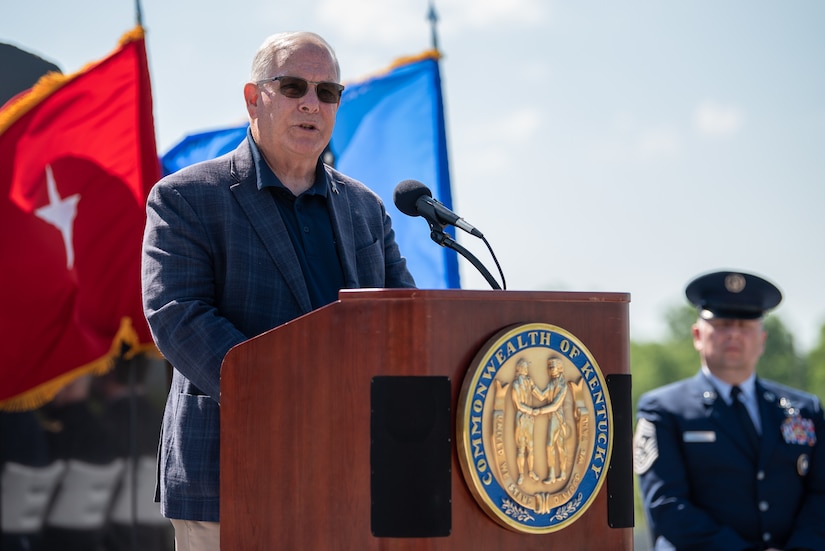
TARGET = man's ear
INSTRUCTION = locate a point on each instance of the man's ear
(696, 333)
(251, 95)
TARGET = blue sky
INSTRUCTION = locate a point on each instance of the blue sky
(600, 146)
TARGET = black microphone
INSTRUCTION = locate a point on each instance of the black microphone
(415, 199)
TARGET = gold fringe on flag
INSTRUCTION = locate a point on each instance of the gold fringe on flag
(124, 345)
(405, 60)
(126, 336)
(52, 81)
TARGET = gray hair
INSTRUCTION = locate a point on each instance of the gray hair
(267, 55)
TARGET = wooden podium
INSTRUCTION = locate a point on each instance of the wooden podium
(296, 467)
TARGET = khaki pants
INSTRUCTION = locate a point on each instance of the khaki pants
(194, 535)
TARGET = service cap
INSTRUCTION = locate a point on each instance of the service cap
(729, 294)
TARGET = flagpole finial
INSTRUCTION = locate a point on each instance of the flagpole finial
(432, 16)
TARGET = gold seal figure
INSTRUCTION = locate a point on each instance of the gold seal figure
(534, 428)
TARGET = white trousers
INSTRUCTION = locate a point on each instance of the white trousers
(194, 535)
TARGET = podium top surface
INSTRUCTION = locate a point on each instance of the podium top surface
(462, 294)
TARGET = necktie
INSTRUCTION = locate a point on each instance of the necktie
(744, 418)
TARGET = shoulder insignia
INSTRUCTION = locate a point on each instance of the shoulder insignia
(645, 447)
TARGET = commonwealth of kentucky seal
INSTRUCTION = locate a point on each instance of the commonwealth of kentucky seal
(535, 428)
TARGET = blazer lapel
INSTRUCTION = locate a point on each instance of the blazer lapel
(341, 216)
(264, 217)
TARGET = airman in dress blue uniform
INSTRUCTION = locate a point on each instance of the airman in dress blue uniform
(727, 473)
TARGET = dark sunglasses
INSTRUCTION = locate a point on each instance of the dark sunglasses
(296, 87)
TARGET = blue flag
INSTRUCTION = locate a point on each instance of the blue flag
(389, 128)
(202, 146)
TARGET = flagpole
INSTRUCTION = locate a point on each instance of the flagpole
(432, 16)
(138, 14)
(132, 429)
(443, 172)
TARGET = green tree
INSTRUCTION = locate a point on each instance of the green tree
(780, 361)
(658, 363)
(680, 320)
(816, 367)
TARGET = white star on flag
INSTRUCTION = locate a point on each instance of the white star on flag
(60, 213)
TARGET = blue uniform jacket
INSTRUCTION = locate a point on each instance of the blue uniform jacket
(704, 489)
(218, 268)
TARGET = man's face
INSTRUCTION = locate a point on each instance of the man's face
(555, 368)
(290, 130)
(730, 347)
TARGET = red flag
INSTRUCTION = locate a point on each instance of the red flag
(77, 159)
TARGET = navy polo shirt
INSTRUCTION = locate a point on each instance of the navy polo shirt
(307, 220)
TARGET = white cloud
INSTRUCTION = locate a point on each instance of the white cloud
(631, 142)
(623, 121)
(718, 120)
(503, 129)
(374, 22)
(497, 141)
(481, 14)
(381, 22)
(657, 143)
(519, 126)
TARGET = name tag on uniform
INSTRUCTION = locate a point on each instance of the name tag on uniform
(699, 436)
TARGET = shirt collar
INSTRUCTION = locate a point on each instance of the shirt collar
(748, 386)
(267, 178)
